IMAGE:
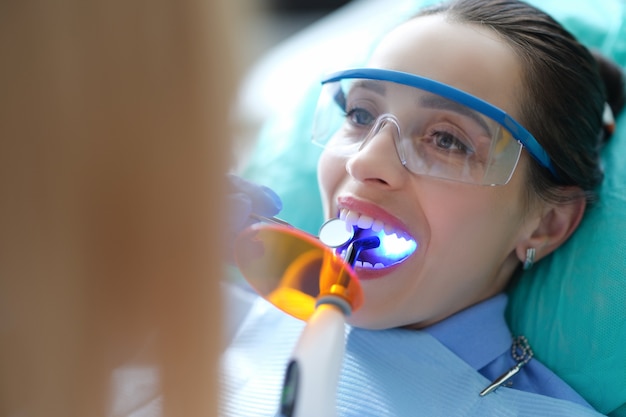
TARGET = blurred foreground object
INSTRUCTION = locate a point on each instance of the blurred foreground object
(113, 145)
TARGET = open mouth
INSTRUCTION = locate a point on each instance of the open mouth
(395, 246)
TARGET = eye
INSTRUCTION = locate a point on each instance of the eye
(360, 117)
(447, 141)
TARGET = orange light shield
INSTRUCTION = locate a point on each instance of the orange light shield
(292, 269)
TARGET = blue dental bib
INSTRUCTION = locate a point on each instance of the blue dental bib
(385, 373)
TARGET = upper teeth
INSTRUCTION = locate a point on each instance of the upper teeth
(362, 221)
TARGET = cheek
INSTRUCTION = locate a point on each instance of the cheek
(470, 215)
(475, 228)
(331, 172)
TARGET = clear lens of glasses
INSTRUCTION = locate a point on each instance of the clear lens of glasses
(436, 129)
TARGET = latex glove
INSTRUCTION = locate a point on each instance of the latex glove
(245, 198)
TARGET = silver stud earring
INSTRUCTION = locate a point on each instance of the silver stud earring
(530, 258)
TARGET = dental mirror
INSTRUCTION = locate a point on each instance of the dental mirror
(335, 233)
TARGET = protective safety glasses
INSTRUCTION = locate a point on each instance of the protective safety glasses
(437, 130)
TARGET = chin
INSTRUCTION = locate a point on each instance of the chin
(363, 320)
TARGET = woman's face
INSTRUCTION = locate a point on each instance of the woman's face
(466, 234)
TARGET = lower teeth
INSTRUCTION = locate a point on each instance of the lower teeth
(365, 264)
(378, 265)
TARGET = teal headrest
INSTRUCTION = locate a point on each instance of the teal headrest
(572, 305)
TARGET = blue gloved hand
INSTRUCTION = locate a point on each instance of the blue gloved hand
(245, 198)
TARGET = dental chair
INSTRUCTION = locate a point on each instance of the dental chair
(572, 305)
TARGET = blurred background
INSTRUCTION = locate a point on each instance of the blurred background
(268, 46)
(279, 19)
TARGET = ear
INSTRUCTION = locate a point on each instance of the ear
(555, 224)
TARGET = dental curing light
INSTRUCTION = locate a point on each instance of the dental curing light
(307, 280)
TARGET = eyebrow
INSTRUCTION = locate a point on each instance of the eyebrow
(372, 85)
(434, 101)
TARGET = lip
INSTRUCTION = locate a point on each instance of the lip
(369, 209)
(373, 210)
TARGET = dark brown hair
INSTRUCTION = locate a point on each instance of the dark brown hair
(565, 91)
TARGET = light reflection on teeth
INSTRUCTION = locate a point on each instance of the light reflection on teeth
(396, 246)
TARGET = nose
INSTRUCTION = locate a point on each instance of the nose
(379, 159)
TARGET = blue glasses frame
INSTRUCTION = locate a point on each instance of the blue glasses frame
(523, 136)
